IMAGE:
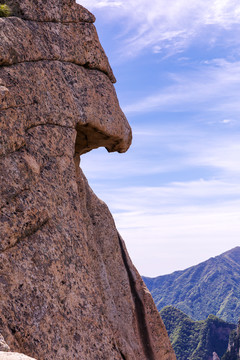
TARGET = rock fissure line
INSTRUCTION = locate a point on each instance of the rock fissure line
(123, 357)
(7, 153)
(142, 324)
(50, 124)
(17, 106)
(27, 233)
(85, 65)
(13, 197)
(54, 21)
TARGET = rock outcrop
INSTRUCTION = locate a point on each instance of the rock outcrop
(68, 287)
(215, 356)
(194, 340)
(233, 351)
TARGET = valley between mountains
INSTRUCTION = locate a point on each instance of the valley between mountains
(200, 307)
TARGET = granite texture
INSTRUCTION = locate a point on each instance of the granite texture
(50, 11)
(76, 43)
(68, 287)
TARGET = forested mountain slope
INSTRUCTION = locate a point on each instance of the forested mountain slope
(196, 340)
(211, 287)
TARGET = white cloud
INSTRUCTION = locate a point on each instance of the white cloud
(171, 197)
(167, 24)
(223, 155)
(227, 121)
(95, 4)
(215, 84)
(159, 150)
(157, 223)
(162, 243)
(102, 4)
(178, 224)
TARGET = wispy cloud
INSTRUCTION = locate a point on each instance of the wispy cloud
(175, 224)
(162, 243)
(172, 197)
(175, 195)
(223, 155)
(215, 84)
(181, 223)
(93, 4)
(171, 25)
(160, 149)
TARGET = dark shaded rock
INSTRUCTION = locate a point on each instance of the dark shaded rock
(233, 351)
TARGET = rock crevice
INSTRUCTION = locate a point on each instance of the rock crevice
(140, 312)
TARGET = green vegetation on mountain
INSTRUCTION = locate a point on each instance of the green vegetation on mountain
(233, 352)
(211, 287)
(196, 340)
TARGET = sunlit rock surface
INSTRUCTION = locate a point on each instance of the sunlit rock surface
(68, 288)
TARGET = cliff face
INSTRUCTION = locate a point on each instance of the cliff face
(196, 340)
(233, 351)
(68, 288)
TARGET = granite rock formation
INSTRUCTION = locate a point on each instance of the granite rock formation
(233, 351)
(68, 287)
(215, 356)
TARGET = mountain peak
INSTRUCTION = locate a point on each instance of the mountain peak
(211, 287)
(233, 254)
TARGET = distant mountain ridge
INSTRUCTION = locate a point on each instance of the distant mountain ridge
(211, 287)
(196, 340)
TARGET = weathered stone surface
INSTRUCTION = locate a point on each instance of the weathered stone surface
(54, 10)
(68, 288)
(64, 94)
(14, 356)
(71, 42)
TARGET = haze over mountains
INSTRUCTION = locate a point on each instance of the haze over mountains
(211, 287)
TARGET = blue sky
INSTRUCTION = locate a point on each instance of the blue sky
(175, 195)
